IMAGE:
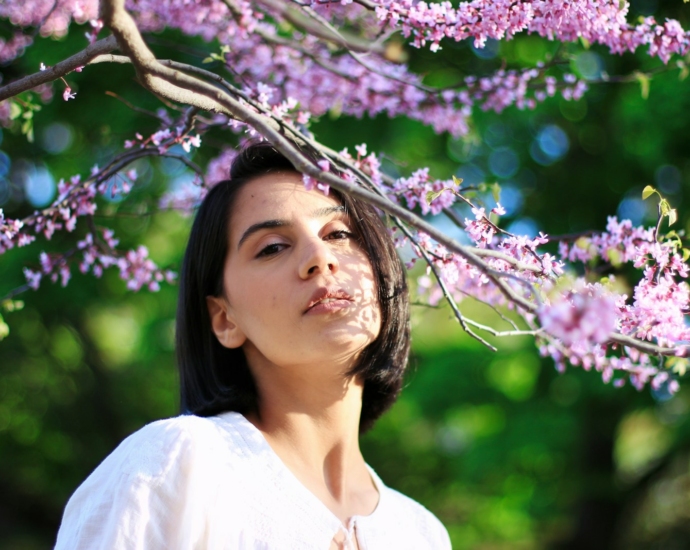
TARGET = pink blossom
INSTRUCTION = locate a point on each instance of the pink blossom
(67, 94)
(33, 279)
(583, 315)
(498, 210)
(309, 182)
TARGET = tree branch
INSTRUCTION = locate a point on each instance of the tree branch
(180, 87)
(307, 24)
(61, 69)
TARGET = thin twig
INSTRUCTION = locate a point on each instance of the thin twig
(135, 108)
(15, 292)
(446, 293)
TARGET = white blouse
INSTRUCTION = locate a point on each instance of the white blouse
(215, 483)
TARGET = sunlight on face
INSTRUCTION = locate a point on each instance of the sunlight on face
(299, 290)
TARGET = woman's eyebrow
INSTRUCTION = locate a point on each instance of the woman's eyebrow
(270, 224)
(321, 212)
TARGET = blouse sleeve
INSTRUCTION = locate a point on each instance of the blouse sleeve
(151, 493)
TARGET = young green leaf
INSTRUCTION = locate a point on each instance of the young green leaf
(647, 192)
(643, 79)
(4, 329)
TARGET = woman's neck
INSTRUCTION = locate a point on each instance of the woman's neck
(312, 423)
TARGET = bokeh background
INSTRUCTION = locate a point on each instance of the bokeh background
(507, 452)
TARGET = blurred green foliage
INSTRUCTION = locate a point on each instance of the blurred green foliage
(507, 452)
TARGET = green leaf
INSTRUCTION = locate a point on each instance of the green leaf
(679, 365)
(27, 129)
(686, 254)
(15, 110)
(672, 216)
(4, 329)
(583, 243)
(208, 60)
(433, 195)
(643, 79)
(457, 181)
(12, 305)
(614, 257)
(648, 192)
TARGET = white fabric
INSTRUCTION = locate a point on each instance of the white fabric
(215, 483)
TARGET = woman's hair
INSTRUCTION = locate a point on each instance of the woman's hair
(215, 379)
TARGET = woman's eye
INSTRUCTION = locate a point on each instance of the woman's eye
(270, 250)
(338, 235)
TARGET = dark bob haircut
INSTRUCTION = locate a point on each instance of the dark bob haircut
(215, 379)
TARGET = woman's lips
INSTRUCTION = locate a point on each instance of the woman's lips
(328, 300)
(330, 305)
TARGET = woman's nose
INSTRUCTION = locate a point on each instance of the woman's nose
(318, 258)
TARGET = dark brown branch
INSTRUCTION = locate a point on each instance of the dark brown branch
(61, 69)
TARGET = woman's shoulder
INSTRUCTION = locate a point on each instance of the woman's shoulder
(410, 510)
(157, 484)
(410, 520)
(161, 447)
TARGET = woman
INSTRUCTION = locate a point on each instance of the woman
(292, 338)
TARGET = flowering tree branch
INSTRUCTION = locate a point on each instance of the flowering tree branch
(281, 78)
(59, 69)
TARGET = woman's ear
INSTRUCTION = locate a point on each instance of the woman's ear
(224, 327)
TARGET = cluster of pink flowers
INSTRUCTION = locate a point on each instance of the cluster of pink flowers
(14, 47)
(368, 164)
(98, 253)
(304, 72)
(218, 168)
(165, 138)
(53, 16)
(295, 75)
(185, 199)
(597, 22)
(586, 313)
(661, 298)
(77, 198)
(138, 270)
(74, 199)
(520, 88)
(432, 196)
(11, 234)
(574, 319)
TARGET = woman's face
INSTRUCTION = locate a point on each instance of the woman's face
(299, 291)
